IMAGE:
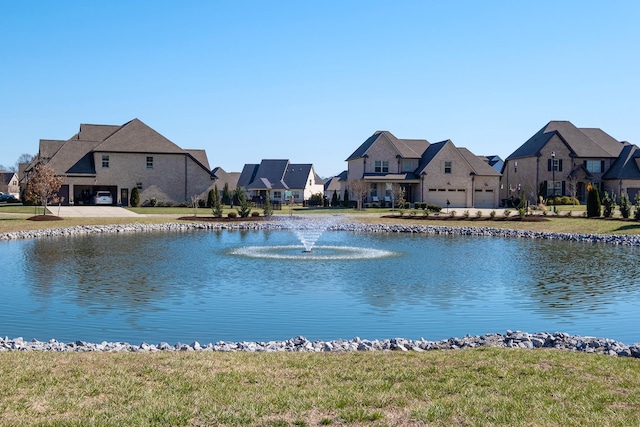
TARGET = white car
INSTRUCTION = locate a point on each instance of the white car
(103, 198)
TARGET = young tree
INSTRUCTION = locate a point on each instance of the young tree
(210, 198)
(625, 205)
(359, 188)
(609, 203)
(216, 205)
(244, 208)
(345, 199)
(335, 201)
(268, 208)
(226, 194)
(594, 206)
(43, 186)
(134, 199)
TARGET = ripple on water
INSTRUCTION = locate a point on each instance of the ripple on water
(318, 253)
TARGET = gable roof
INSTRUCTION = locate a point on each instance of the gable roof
(276, 174)
(627, 165)
(406, 148)
(585, 142)
(430, 153)
(76, 155)
(137, 137)
(478, 165)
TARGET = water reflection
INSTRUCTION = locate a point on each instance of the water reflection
(180, 286)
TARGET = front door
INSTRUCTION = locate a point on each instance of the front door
(124, 196)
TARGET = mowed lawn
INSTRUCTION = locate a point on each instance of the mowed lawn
(465, 387)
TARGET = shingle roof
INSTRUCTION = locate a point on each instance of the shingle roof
(583, 142)
(406, 148)
(276, 175)
(137, 137)
(627, 164)
(478, 164)
(200, 156)
(430, 153)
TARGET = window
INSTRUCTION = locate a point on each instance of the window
(105, 161)
(149, 162)
(381, 166)
(554, 188)
(139, 185)
(594, 166)
(296, 194)
(374, 189)
(407, 166)
(554, 165)
(447, 167)
(277, 194)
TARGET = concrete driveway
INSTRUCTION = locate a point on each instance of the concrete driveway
(91, 211)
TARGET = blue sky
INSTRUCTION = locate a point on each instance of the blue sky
(310, 81)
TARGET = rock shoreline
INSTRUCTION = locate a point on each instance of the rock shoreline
(511, 339)
(627, 240)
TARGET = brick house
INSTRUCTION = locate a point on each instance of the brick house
(118, 158)
(440, 174)
(561, 160)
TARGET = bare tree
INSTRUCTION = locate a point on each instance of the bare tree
(43, 186)
(573, 186)
(359, 188)
(24, 158)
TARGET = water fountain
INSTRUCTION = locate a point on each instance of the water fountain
(308, 230)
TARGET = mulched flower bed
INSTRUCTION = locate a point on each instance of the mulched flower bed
(44, 218)
(222, 219)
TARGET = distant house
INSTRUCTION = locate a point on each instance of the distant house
(118, 158)
(9, 183)
(280, 180)
(440, 173)
(624, 174)
(562, 160)
(336, 184)
(223, 177)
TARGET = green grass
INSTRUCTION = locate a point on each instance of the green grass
(469, 387)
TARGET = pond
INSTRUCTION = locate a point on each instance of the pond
(209, 286)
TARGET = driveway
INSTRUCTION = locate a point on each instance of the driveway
(91, 211)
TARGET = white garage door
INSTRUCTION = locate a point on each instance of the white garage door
(439, 196)
(484, 199)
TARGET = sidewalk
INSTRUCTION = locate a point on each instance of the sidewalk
(91, 211)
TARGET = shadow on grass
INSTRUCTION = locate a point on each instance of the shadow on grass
(629, 227)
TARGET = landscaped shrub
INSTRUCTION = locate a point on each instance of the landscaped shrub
(232, 215)
(478, 214)
(609, 203)
(625, 205)
(594, 206)
(492, 214)
(255, 213)
(134, 200)
(374, 205)
(434, 208)
(407, 205)
(506, 213)
(636, 206)
(465, 214)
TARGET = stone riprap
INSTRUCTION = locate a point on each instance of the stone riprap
(353, 227)
(511, 339)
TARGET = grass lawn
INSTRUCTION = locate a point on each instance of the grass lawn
(469, 387)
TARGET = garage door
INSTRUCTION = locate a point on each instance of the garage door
(439, 196)
(484, 199)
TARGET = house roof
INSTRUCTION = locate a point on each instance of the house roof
(430, 153)
(627, 165)
(479, 166)
(137, 137)
(75, 155)
(406, 148)
(276, 174)
(224, 177)
(583, 142)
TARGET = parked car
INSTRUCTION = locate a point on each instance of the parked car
(103, 198)
(8, 198)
